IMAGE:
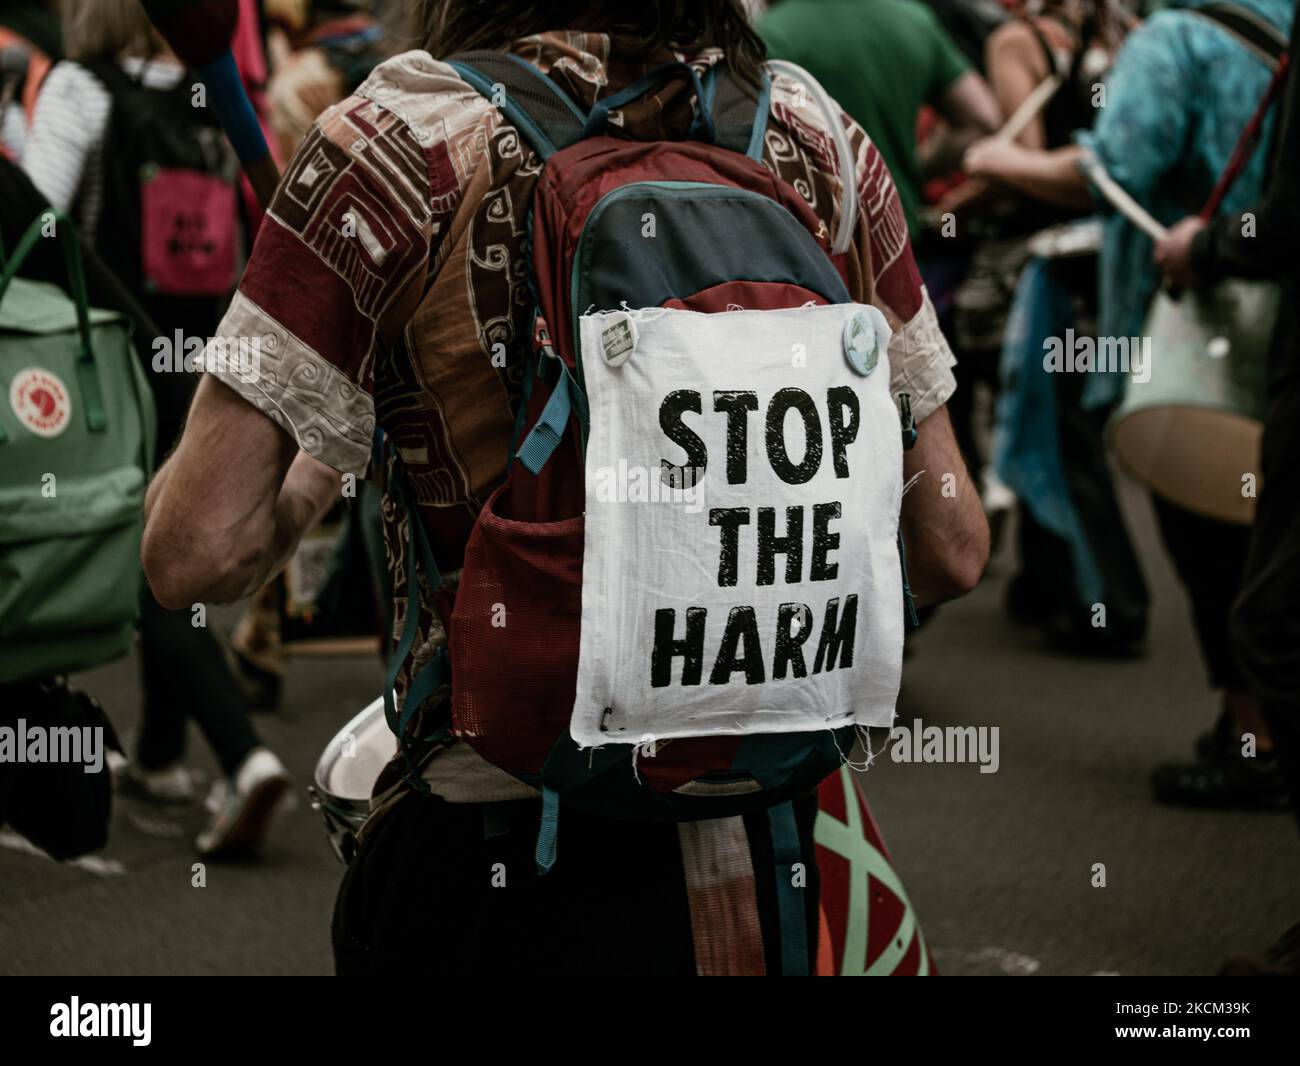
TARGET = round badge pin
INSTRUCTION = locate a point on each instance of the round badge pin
(618, 340)
(861, 348)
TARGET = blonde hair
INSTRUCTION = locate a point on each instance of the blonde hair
(107, 29)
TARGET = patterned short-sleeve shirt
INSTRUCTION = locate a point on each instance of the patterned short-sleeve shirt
(389, 284)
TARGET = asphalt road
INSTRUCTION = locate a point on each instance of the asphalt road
(1000, 866)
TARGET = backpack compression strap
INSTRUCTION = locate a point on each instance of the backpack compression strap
(550, 121)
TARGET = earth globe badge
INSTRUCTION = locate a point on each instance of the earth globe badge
(861, 347)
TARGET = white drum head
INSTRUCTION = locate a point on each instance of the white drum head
(1195, 457)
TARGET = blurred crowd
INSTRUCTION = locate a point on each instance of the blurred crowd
(1066, 168)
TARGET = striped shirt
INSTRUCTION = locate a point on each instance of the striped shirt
(64, 152)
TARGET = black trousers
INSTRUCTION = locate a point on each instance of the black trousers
(1210, 558)
(419, 897)
(1265, 623)
(184, 676)
(1081, 434)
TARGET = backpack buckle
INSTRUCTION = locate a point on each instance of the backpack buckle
(909, 423)
(542, 337)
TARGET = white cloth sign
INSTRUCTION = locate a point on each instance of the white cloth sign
(743, 483)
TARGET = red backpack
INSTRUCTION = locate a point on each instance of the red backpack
(614, 641)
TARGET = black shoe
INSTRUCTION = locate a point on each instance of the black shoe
(1072, 634)
(1280, 960)
(1224, 780)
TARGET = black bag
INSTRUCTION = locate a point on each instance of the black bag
(57, 806)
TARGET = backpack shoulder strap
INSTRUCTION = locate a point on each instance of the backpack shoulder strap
(739, 114)
(109, 74)
(530, 101)
(1256, 33)
(839, 136)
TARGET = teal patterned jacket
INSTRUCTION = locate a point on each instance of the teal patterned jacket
(1177, 98)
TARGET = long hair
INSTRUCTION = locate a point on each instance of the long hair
(444, 27)
(106, 29)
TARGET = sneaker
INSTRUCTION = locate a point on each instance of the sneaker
(171, 785)
(244, 806)
(117, 764)
(1280, 960)
(1223, 779)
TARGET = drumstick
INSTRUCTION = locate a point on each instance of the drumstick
(1092, 168)
(1029, 108)
(199, 32)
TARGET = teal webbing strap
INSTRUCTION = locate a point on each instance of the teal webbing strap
(432, 675)
(789, 899)
(702, 127)
(542, 440)
(909, 601)
(527, 384)
(545, 856)
(758, 132)
(92, 396)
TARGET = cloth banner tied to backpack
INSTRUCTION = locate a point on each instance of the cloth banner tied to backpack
(741, 570)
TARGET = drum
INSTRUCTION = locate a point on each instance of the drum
(1191, 431)
(1067, 240)
(346, 773)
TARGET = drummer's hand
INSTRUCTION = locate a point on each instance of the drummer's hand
(1173, 253)
(991, 158)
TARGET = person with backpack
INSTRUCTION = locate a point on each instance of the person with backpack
(121, 141)
(75, 450)
(1059, 50)
(1265, 623)
(639, 322)
(1183, 88)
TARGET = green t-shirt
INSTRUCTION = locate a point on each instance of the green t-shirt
(881, 59)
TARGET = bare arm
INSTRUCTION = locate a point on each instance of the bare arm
(971, 111)
(227, 509)
(1016, 67)
(945, 535)
(1049, 176)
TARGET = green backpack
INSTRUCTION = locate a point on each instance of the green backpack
(76, 451)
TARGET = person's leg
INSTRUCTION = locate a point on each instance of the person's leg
(1081, 435)
(1265, 623)
(185, 675)
(1210, 558)
(452, 889)
(260, 658)
(1043, 586)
